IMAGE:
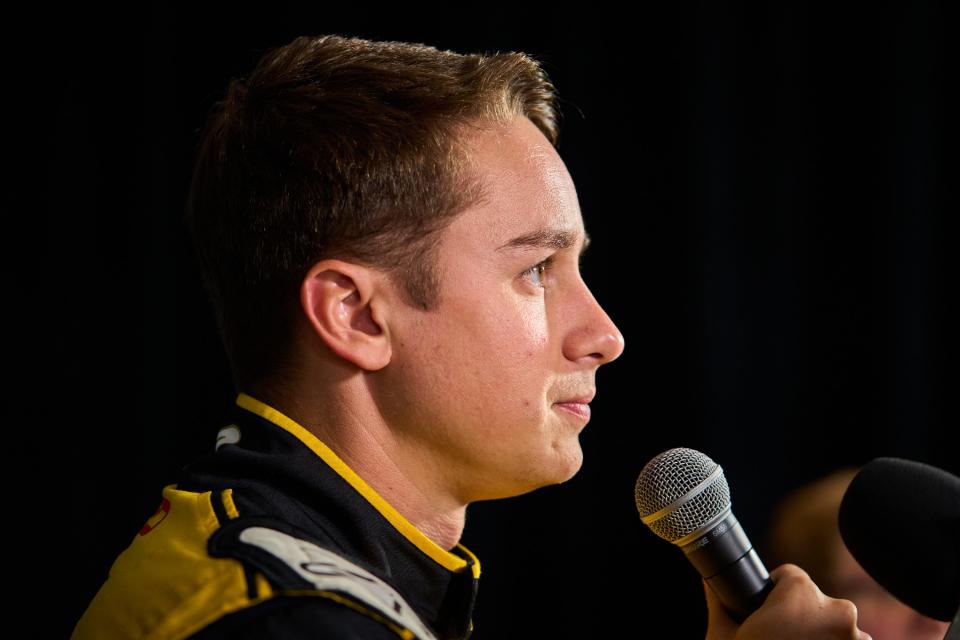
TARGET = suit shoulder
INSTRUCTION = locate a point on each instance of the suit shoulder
(296, 566)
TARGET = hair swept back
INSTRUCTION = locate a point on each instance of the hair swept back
(340, 147)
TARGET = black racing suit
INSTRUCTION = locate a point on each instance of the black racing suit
(272, 535)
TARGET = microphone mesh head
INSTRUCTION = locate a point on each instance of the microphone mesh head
(672, 475)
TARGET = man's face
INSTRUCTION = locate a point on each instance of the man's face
(490, 389)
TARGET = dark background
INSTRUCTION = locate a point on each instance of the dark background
(768, 195)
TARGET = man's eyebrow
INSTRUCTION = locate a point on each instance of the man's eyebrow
(546, 239)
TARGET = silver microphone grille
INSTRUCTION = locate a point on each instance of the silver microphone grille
(688, 482)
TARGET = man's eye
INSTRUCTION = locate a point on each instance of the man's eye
(538, 272)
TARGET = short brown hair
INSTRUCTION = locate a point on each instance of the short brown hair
(340, 147)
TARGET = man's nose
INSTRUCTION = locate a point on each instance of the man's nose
(594, 337)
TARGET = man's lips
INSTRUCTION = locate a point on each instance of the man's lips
(580, 409)
(578, 406)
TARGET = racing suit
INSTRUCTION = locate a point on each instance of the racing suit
(273, 535)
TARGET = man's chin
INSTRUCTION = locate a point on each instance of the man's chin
(559, 467)
(528, 485)
(563, 468)
(573, 469)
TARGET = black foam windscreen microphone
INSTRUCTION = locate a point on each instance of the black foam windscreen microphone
(901, 520)
(684, 498)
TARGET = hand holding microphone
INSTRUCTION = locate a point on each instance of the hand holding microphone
(795, 609)
(684, 498)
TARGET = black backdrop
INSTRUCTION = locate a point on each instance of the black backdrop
(768, 194)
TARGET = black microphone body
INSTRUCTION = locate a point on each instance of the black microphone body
(726, 559)
(901, 520)
(683, 497)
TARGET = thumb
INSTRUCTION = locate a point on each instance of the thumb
(720, 626)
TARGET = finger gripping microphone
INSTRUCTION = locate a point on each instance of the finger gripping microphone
(684, 498)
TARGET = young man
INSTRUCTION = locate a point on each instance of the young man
(391, 243)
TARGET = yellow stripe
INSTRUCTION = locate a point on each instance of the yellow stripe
(264, 588)
(475, 567)
(230, 506)
(443, 557)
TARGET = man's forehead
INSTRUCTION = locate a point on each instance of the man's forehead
(529, 200)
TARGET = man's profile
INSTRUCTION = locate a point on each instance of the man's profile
(391, 244)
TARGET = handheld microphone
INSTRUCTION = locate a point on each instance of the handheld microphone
(901, 520)
(683, 497)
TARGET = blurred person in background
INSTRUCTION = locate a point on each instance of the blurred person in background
(804, 531)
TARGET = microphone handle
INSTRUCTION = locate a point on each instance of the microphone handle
(727, 561)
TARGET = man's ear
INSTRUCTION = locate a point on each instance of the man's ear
(345, 305)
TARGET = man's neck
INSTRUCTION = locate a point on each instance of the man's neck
(401, 477)
(399, 473)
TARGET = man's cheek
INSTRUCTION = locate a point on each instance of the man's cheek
(534, 328)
